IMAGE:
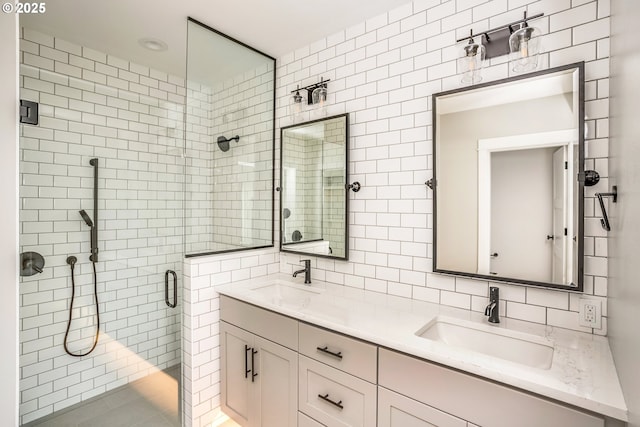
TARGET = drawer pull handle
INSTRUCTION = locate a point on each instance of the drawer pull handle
(246, 361)
(253, 365)
(326, 350)
(326, 399)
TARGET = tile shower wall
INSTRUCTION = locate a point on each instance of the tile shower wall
(302, 167)
(199, 163)
(229, 194)
(130, 117)
(201, 339)
(383, 72)
(243, 186)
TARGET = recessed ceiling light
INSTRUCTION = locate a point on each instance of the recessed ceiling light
(153, 44)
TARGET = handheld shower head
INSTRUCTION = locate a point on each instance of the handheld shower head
(86, 218)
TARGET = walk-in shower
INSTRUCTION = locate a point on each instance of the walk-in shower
(103, 275)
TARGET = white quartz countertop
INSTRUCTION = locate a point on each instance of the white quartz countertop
(582, 371)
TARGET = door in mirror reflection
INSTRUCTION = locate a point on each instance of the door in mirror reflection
(508, 202)
(313, 198)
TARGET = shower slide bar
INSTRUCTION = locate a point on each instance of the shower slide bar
(175, 288)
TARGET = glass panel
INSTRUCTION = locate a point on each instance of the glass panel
(230, 115)
(134, 131)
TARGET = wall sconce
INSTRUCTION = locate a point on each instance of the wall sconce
(296, 103)
(471, 60)
(517, 39)
(316, 94)
(524, 47)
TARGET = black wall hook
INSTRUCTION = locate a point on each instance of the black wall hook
(614, 195)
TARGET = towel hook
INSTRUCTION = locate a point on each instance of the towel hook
(614, 195)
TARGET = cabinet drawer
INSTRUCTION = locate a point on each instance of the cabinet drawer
(269, 325)
(395, 410)
(476, 400)
(347, 354)
(354, 400)
(305, 421)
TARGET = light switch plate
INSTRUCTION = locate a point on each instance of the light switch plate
(590, 314)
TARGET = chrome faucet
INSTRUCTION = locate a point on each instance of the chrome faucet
(306, 270)
(492, 309)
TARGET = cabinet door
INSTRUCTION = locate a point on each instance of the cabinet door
(275, 402)
(335, 398)
(235, 360)
(395, 410)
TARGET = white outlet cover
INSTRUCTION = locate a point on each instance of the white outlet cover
(596, 322)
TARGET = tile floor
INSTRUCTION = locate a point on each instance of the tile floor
(148, 402)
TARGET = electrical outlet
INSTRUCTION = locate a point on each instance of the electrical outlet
(590, 313)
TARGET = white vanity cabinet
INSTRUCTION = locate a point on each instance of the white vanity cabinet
(259, 376)
(337, 378)
(396, 410)
(466, 397)
(277, 371)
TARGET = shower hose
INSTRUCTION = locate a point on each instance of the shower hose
(72, 262)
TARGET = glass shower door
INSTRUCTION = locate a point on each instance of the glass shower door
(130, 119)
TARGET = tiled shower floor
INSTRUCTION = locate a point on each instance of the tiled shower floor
(148, 402)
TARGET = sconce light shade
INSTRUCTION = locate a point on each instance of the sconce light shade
(524, 47)
(470, 61)
(296, 104)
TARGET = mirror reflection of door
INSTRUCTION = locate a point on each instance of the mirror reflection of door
(518, 176)
(558, 238)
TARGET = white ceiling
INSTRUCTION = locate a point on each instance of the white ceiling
(274, 27)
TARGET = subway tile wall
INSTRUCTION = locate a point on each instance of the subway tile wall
(131, 118)
(198, 216)
(383, 72)
(201, 339)
(243, 175)
(229, 194)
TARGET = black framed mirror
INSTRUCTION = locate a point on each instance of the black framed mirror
(508, 179)
(313, 188)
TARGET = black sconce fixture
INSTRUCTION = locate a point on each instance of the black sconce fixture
(316, 94)
(517, 39)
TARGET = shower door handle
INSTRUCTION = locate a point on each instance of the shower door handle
(175, 288)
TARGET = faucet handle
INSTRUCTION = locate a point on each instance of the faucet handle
(307, 262)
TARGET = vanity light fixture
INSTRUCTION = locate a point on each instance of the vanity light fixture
(470, 62)
(296, 103)
(517, 39)
(524, 47)
(316, 94)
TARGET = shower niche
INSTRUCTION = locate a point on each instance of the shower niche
(229, 144)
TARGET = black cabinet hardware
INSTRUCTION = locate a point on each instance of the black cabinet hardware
(326, 350)
(325, 397)
(246, 361)
(254, 374)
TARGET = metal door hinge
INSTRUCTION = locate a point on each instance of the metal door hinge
(28, 112)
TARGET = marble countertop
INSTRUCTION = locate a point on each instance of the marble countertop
(582, 371)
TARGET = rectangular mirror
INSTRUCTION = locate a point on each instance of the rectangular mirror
(508, 204)
(313, 178)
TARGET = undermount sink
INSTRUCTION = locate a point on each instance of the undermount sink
(514, 346)
(286, 294)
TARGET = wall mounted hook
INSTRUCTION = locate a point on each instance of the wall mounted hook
(614, 195)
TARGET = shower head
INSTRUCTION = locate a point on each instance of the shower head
(86, 218)
(223, 142)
